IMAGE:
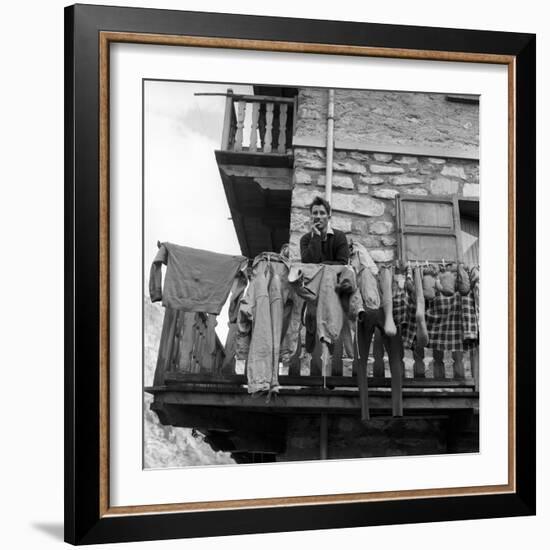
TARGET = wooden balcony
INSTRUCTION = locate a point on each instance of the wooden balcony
(255, 161)
(438, 389)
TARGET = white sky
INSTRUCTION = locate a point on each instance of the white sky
(184, 199)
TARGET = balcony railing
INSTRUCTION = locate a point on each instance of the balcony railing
(206, 363)
(258, 124)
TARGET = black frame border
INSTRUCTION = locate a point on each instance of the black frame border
(83, 524)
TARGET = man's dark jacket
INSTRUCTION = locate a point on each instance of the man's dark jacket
(333, 250)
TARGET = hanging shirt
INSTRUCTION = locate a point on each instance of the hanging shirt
(196, 280)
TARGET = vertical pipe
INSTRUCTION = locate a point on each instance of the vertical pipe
(330, 145)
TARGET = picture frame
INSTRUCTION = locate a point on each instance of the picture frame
(89, 517)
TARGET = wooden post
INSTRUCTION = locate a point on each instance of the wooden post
(240, 125)
(439, 365)
(394, 347)
(379, 370)
(227, 120)
(282, 128)
(419, 365)
(474, 358)
(323, 436)
(360, 363)
(268, 127)
(254, 128)
(458, 365)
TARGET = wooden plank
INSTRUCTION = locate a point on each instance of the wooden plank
(361, 361)
(395, 354)
(438, 364)
(227, 120)
(474, 359)
(323, 402)
(241, 106)
(282, 128)
(254, 127)
(419, 367)
(317, 381)
(268, 127)
(265, 99)
(458, 364)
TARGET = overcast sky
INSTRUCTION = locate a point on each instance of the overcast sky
(184, 199)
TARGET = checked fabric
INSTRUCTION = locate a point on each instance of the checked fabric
(452, 321)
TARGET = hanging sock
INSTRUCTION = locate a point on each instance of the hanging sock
(462, 279)
(428, 282)
(448, 281)
(387, 301)
(421, 329)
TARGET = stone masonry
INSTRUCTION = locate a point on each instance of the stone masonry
(365, 184)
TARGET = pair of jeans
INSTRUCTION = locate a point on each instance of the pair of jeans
(261, 316)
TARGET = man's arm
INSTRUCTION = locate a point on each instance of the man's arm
(341, 250)
(310, 248)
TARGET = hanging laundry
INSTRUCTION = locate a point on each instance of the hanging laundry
(195, 280)
(260, 321)
(451, 321)
(366, 269)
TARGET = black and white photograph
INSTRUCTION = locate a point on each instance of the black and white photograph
(310, 273)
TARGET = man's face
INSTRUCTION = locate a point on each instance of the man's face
(319, 217)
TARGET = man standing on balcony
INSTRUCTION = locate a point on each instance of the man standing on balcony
(323, 244)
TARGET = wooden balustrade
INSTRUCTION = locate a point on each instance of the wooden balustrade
(265, 121)
(191, 352)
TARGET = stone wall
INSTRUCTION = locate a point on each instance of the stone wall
(365, 183)
(399, 118)
(364, 187)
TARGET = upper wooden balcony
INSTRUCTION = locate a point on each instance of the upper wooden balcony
(255, 163)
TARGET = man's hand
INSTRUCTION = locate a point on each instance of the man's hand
(315, 230)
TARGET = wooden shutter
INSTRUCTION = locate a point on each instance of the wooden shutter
(428, 228)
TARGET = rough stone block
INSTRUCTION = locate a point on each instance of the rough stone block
(338, 181)
(383, 193)
(416, 191)
(388, 240)
(382, 157)
(342, 223)
(381, 227)
(299, 220)
(359, 226)
(301, 177)
(357, 204)
(434, 160)
(385, 169)
(363, 189)
(443, 186)
(470, 190)
(407, 160)
(368, 241)
(302, 197)
(382, 255)
(407, 180)
(350, 165)
(454, 171)
(310, 158)
(372, 180)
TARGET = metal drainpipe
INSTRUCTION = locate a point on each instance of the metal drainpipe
(330, 145)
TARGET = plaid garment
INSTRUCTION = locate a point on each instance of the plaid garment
(452, 321)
